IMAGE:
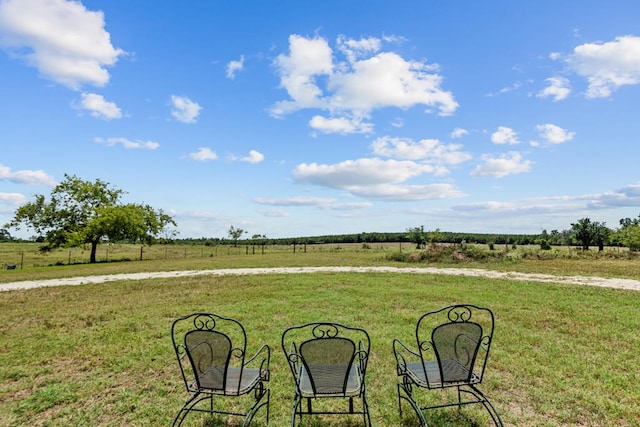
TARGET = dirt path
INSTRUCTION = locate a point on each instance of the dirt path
(574, 280)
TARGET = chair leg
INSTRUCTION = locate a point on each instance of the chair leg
(365, 409)
(296, 404)
(189, 404)
(408, 396)
(256, 407)
(487, 405)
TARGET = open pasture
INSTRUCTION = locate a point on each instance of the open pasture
(101, 354)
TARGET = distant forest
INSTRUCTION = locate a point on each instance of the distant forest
(442, 237)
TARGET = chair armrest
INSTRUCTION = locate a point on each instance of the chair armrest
(263, 356)
(362, 357)
(401, 352)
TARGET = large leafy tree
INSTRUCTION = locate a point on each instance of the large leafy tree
(583, 232)
(587, 233)
(84, 212)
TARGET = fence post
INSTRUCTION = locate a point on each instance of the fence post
(141, 248)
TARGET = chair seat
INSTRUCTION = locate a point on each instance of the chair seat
(211, 380)
(454, 372)
(329, 381)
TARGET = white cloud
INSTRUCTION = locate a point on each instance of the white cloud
(558, 89)
(66, 42)
(361, 172)
(341, 125)
(499, 167)
(127, 143)
(13, 199)
(184, 109)
(295, 201)
(234, 66)
(203, 154)
(426, 150)
(354, 49)
(607, 66)
(392, 192)
(307, 59)
(554, 134)
(504, 135)
(627, 196)
(319, 202)
(253, 157)
(459, 133)
(376, 179)
(366, 80)
(26, 176)
(100, 108)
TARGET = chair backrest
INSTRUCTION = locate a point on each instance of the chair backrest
(207, 346)
(328, 362)
(326, 355)
(458, 337)
(209, 353)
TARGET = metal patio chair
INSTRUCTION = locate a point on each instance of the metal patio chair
(212, 354)
(327, 360)
(452, 349)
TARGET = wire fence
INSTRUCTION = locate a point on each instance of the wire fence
(28, 255)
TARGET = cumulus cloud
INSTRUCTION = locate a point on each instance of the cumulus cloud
(13, 199)
(558, 89)
(253, 157)
(235, 66)
(361, 172)
(554, 134)
(341, 125)
(26, 176)
(503, 165)
(607, 66)
(426, 150)
(184, 109)
(458, 133)
(504, 135)
(203, 154)
(366, 79)
(100, 108)
(127, 143)
(295, 201)
(319, 202)
(398, 193)
(67, 43)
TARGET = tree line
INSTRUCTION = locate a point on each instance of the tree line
(81, 212)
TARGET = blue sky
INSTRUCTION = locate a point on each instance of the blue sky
(300, 118)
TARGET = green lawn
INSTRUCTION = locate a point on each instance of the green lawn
(101, 354)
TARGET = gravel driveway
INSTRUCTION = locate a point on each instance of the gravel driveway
(574, 280)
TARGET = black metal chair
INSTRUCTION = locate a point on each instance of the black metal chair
(452, 349)
(212, 354)
(327, 360)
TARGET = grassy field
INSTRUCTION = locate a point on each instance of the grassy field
(101, 354)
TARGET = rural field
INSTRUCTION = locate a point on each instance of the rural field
(100, 353)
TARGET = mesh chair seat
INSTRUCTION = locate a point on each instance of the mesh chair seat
(235, 384)
(453, 371)
(328, 381)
